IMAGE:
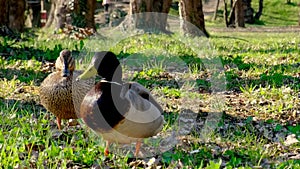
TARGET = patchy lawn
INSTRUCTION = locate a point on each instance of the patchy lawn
(242, 112)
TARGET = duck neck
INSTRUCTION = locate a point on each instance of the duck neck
(116, 78)
(112, 74)
(107, 82)
(111, 89)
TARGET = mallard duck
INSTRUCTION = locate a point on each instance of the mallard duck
(59, 93)
(120, 112)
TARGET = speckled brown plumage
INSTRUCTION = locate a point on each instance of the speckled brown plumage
(56, 96)
(60, 93)
(80, 89)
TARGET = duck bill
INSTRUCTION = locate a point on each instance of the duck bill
(65, 71)
(90, 72)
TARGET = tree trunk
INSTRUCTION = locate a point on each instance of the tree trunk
(299, 19)
(216, 10)
(192, 16)
(231, 3)
(81, 12)
(13, 14)
(4, 12)
(51, 14)
(239, 14)
(231, 16)
(150, 21)
(89, 16)
(260, 10)
(16, 14)
(225, 13)
(57, 15)
(248, 12)
(36, 12)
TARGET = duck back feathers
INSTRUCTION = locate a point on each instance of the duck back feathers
(145, 114)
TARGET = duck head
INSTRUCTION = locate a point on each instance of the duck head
(65, 63)
(106, 65)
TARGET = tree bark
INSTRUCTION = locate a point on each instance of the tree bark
(13, 14)
(82, 13)
(147, 21)
(248, 12)
(89, 16)
(4, 12)
(34, 13)
(239, 14)
(299, 19)
(260, 10)
(225, 13)
(57, 14)
(16, 14)
(299, 14)
(231, 16)
(192, 16)
(51, 14)
(216, 10)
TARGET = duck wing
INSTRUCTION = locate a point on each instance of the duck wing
(144, 117)
(144, 93)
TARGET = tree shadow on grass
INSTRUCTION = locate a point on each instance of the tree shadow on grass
(273, 75)
(258, 22)
(16, 56)
(18, 50)
(27, 53)
(23, 75)
(281, 19)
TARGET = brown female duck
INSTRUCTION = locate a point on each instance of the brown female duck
(60, 93)
(120, 112)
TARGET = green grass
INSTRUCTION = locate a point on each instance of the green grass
(276, 13)
(259, 108)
